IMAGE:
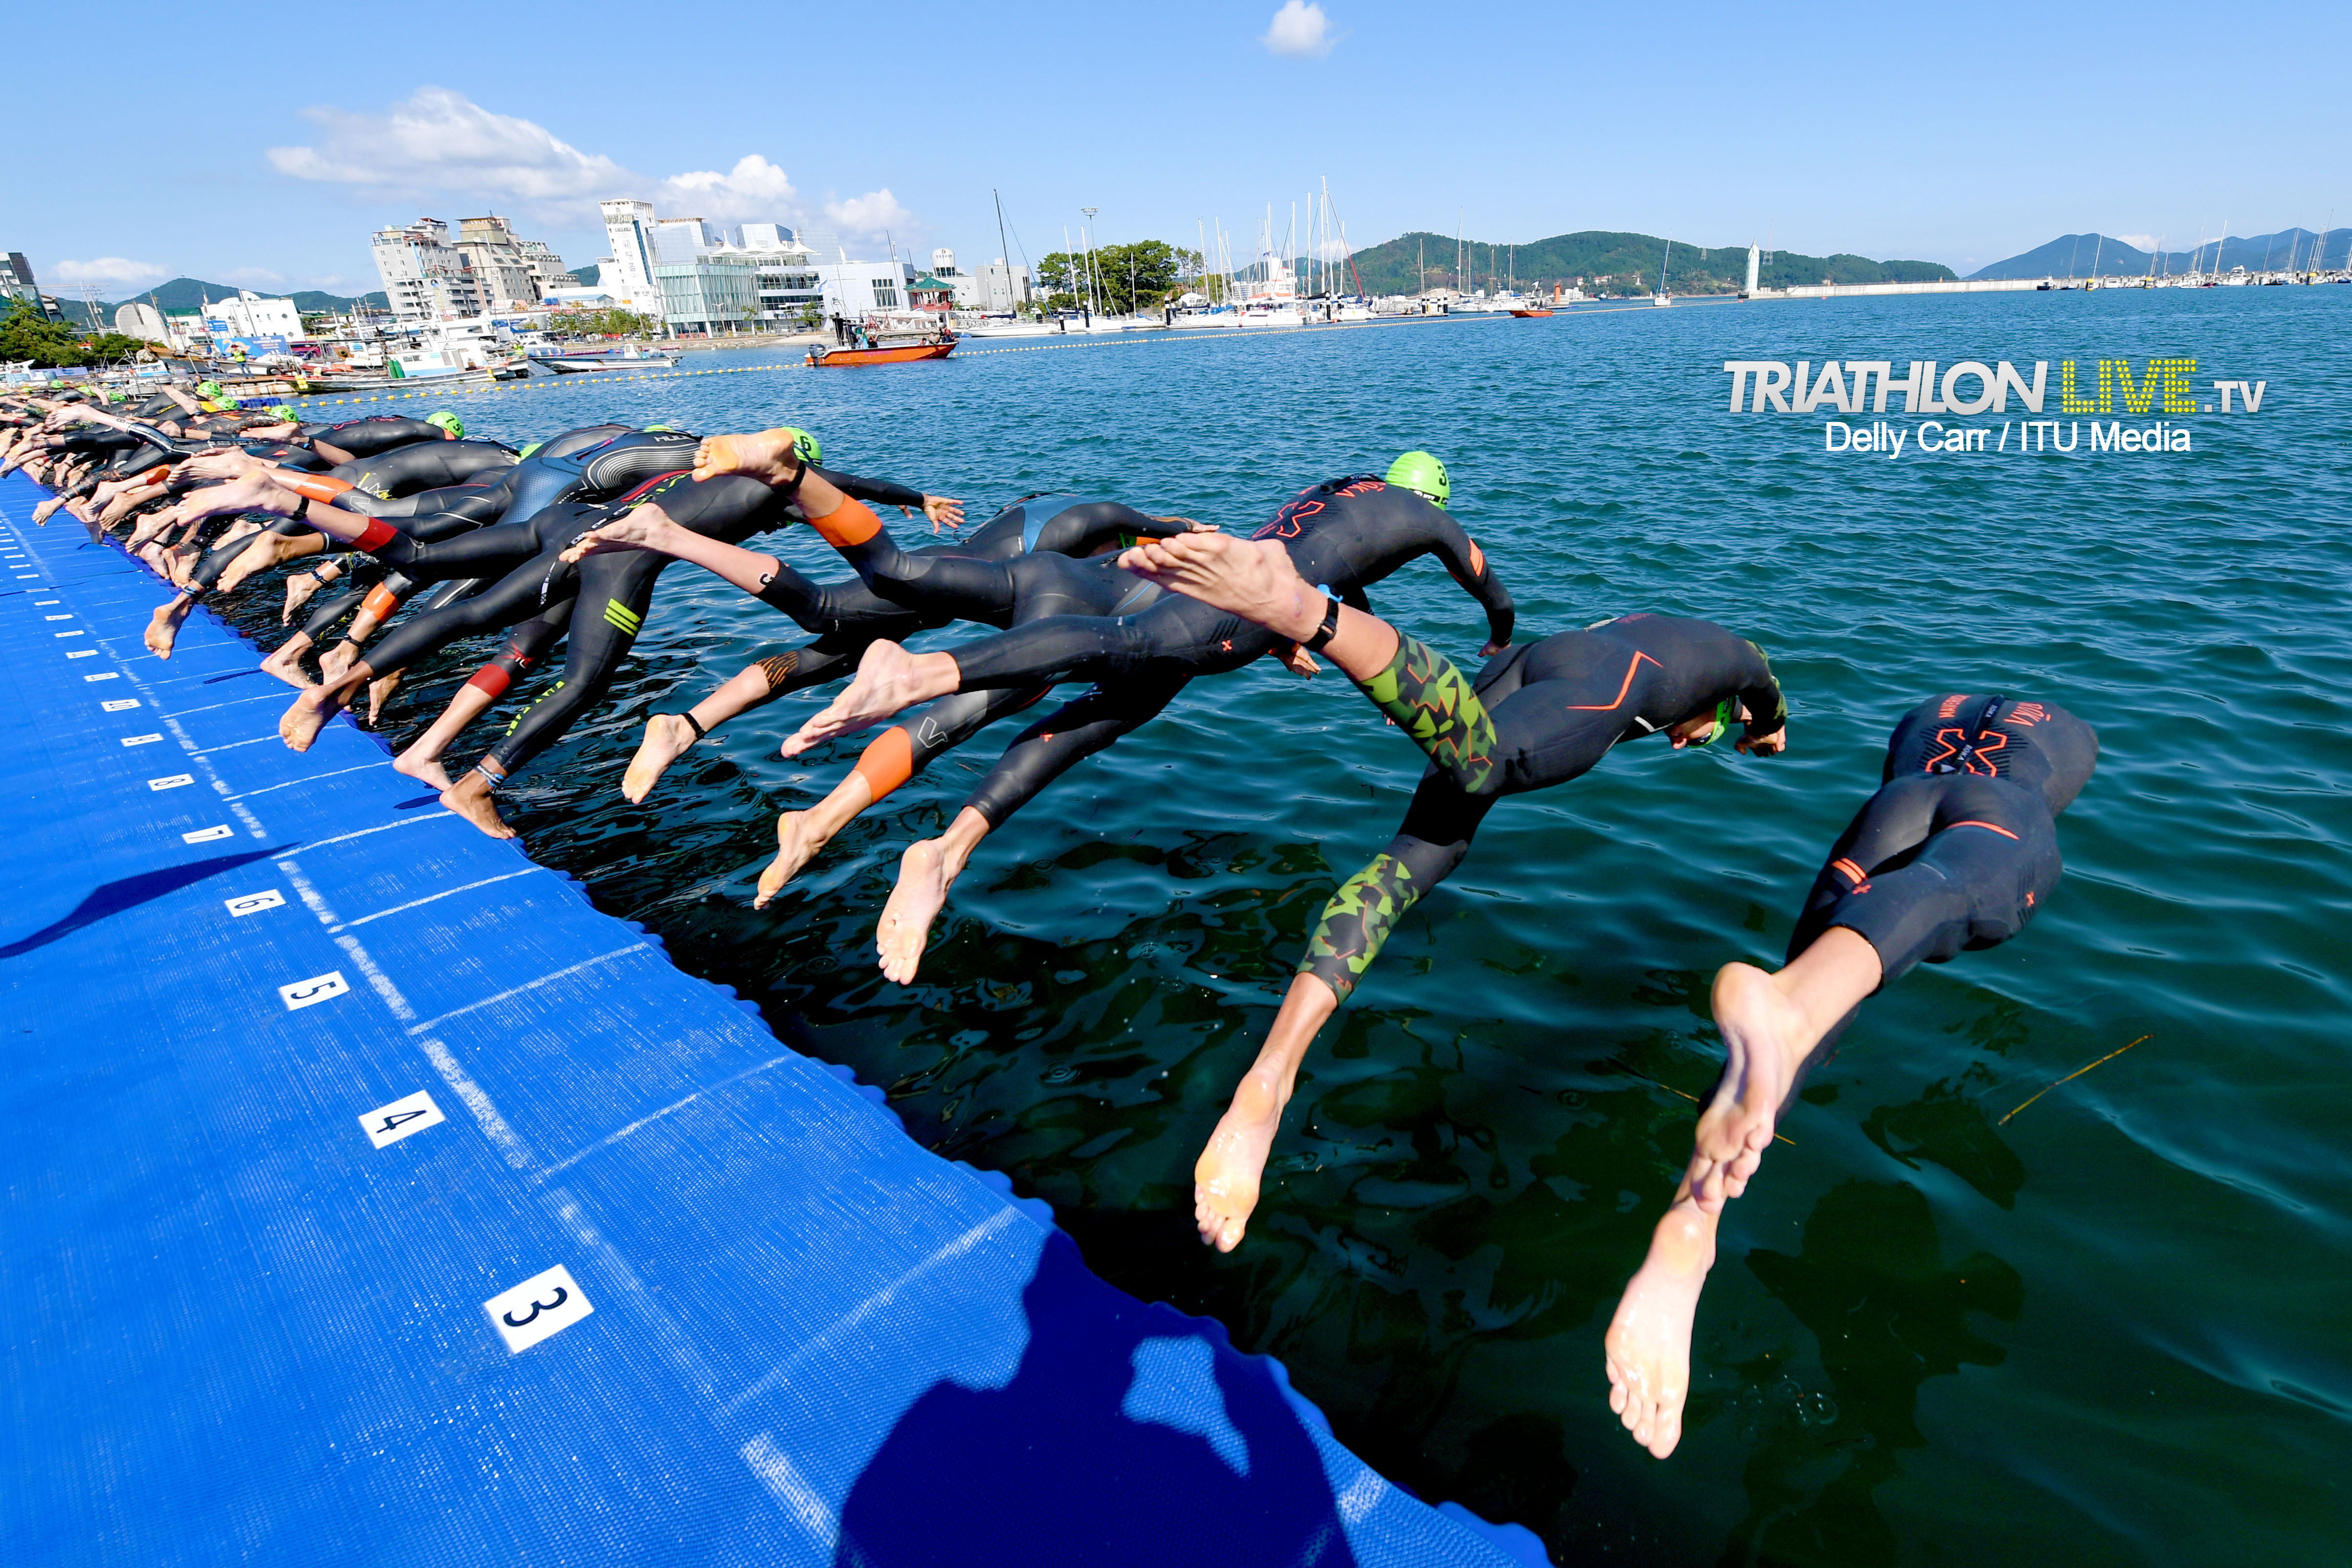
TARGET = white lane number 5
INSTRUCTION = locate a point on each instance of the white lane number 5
(311, 992)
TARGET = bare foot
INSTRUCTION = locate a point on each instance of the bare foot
(300, 590)
(94, 528)
(667, 738)
(177, 562)
(420, 764)
(379, 692)
(1764, 1038)
(163, 625)
(1225, 1179)
(41, 513)
(469, 797)
(303, 721)
(889, 678)
(766, 456)
(1648, 1343)
(258, 556)
(797, 844)
(337, 661)
(1253, 579)
(286, 664)
(904, 929)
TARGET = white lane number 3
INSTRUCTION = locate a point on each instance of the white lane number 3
(542, 1305)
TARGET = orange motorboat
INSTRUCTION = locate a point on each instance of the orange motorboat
(897, 354)
(1538, 310)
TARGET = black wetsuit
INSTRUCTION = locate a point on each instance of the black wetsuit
(375, 433)
(1538, 715)
(1344, 534)
(1959, 847)
(1047, 578)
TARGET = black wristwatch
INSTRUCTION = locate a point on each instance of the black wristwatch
(1327, 630)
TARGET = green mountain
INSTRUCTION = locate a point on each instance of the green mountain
(1630, 262)
(190, 293)
(2074, 254)
(590, 276)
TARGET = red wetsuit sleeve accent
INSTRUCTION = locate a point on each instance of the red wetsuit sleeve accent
(375, 536)
(492, 679)
(155, 476)
(853, 524)
(381, 602)
(317, 486)
(889, 763)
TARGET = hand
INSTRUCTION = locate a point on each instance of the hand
(1492, 648)
(228, 463)
(943, 511)
(1300, 662)
(1770, 745)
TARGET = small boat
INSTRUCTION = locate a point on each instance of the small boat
(895, 354)
(1538, 311)
(581, 365)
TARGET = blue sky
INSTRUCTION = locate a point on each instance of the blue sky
(263, 147)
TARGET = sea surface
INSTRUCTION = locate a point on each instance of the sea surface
(2108, 1327)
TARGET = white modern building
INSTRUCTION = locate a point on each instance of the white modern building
(426, 277)
(999, 289)
(628, 274)
(251, 316)
(860, 288)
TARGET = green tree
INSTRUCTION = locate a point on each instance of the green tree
(1124, 278)
(111, 348)
(27, 334)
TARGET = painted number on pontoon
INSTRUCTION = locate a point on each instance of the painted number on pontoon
(388, 1124)
(311, 992)
(254, 903)
(543, 1305)
(205, 835)
(120, 705)
(172, 781)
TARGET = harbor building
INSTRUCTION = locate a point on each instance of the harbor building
(426, 277)
(251, 316)
(513, 273)
(860, 288)
(627, 275)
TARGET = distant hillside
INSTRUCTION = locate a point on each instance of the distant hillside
(1389, 268)
(2072, 256)
(190, 293)
(590, 276)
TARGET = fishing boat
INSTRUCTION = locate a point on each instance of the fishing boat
(895, 353)
(1538, 311)
(588, 364)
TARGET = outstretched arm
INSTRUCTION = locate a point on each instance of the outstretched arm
(1468, 565)
(648, 527)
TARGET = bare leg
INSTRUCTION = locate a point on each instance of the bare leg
(801, 834)
(667, 738)
(927, 869)
(422, 760)
(302, 723)
(1255, 580)
(300, 589)
(469, 797)
(1770, 1023)
(286, 664)
(1648, 1343)
(889, 678)
(1225, 1179)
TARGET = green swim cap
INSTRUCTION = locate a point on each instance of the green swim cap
(1727, 714)
(211, 389)
(282, 411)
(652, 429)
(1420, 473)
(805, 447)
(449, 422)
(527, 451)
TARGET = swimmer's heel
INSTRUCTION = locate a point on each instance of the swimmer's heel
(1433, 702)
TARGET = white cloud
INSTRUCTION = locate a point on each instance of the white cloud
(1301, 31)
(2138, 241)
(871, 215)
(441, 141)
(109, 272)
(754, 189)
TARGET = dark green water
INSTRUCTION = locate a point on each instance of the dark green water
(2111, 1329)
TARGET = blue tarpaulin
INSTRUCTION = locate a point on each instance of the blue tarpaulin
(371, 1197)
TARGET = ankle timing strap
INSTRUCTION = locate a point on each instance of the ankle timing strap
(699, 732)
